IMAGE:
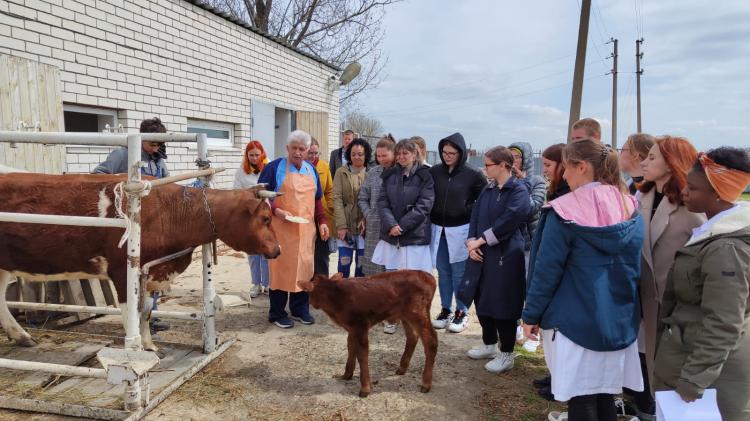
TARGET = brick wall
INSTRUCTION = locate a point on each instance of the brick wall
(169, 59)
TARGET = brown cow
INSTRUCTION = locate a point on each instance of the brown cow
(360, 303)
(173, 218)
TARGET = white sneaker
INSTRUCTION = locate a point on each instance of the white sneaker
(459, 323)
(443, 319)
(482, 352)
(557, 416)
(254, 290)
(389, 328)
(531, 346)
(503, 362)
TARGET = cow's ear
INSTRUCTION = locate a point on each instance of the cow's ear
(337, 277)
(255, 202)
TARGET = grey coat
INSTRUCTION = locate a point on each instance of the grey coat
(117, 163)
(368, 204)
(537, 188)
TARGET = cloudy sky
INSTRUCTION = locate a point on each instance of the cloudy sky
(502, 71)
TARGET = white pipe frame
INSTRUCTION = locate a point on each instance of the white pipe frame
(210, 340)
(109, 311)
(132, 336)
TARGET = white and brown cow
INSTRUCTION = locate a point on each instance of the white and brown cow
(173, 218)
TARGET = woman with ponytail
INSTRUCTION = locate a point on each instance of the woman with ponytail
(253, 162)
(583, 285)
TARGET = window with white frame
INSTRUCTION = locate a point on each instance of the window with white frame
(220, 135)
(79, 118)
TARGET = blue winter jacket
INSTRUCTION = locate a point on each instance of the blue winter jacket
(583, 281)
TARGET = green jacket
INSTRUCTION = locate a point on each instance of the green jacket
(345, 195)
(706, 312)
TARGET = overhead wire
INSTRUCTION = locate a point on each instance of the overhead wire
(490, 101)
(472, 96)
(473, 81)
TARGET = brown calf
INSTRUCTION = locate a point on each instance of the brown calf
(360, 303)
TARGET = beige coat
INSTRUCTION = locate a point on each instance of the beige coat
(706, 306)
(346, 187)
(670, 229)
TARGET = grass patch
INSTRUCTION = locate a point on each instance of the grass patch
(745, 196)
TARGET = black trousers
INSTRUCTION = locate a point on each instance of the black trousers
(600, 407)
(494, 329)
(322, 256)
(643, 400)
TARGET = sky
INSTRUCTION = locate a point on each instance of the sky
(500, 72)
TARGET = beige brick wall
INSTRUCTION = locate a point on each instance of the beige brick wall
(166, 58)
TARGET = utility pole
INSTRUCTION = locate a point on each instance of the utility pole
(614, 92)
(583, 34)
(638, 73)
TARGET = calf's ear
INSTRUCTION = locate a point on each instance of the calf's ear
(337, 276)
(306, 286)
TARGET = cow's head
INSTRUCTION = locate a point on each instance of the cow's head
(249, 226)
(317, 281)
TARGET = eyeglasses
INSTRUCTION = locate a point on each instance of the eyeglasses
(153, 144)
(486, 165)
(450, 153)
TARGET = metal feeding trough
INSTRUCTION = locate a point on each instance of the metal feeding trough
(97, 376)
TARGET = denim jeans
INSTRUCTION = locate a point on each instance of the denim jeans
(346, 255)
(258, 269)
(449, 277)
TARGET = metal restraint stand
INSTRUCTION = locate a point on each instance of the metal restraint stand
(128, 366)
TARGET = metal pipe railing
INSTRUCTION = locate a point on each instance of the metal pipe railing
(92, 139)
(89, 221)
(69, 138)
(110, 311)
(65, 370)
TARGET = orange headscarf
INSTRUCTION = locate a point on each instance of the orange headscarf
(250, 169)
(727, 182)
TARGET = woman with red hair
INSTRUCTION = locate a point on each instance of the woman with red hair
(668, 226)
(253, 162)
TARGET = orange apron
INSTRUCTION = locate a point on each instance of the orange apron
(297, 241)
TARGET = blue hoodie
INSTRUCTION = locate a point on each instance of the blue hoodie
(583, 280)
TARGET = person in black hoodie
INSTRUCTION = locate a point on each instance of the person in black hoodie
(457, 187)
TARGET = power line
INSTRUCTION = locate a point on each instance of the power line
(596, 49)
(469, 82)
(629, 104)
(473, 97)
(490, 101)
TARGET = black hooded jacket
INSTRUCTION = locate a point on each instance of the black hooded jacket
(457, 190)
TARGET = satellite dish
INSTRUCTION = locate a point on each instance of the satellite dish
(350, 72)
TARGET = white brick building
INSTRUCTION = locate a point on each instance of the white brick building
(122, 61)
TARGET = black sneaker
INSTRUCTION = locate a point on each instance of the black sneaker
(306, 319)
(546, 393)
(443, 319)
(159, 325)
(543, 382)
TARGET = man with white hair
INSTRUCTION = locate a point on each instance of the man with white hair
(298, 180)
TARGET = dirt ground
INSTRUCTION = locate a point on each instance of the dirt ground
(291, 374)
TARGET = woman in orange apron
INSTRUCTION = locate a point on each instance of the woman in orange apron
(298, 181)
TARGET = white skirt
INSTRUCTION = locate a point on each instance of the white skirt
(577, 371)
(405, 257)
